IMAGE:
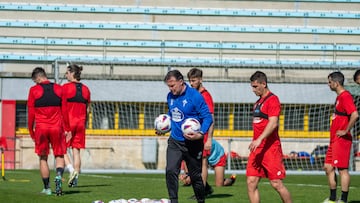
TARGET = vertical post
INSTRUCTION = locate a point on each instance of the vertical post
(334, 55)
(162, 56)
(351, 160)
(56, 71)
(229, 154)
(2, 164)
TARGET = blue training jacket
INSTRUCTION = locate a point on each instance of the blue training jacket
(190, 104)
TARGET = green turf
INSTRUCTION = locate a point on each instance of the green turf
(25, 185)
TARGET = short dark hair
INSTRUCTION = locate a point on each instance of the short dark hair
(174, 73)
(38, 72)
(195, 73)
(337, 77)
(76, 69)
(356, 74)
(259, 76)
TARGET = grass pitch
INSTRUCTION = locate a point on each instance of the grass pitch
(25, 185)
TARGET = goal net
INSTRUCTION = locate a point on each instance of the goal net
(127, 98)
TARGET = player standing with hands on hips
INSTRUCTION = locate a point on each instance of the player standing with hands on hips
(75, 102)
(185, 102)
(339, 150)
(265, 159)
(44, 111)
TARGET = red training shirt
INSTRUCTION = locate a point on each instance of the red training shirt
(76, 98)
(43, 108)
(344, 103)
(271, 107)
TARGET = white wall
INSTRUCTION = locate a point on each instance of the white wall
(155, 91)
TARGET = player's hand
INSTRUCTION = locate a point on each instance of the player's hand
(254, 144)
(185, 179)
(68, 136)
(340, 133)
(193, 136)
(208, 143)
(159, 133)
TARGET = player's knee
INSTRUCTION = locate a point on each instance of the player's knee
(252, 183)
(276, 184)
(328, 168)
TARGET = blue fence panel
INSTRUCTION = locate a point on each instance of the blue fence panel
(180, 27)
(211, 62)
(178, 44)
(181, 11)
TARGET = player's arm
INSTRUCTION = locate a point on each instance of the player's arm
(65, 113)
(31, 114)
(208, 143)
(352, 120)
(205, 116)
(88, 109)
(270, 127)
(210, 103)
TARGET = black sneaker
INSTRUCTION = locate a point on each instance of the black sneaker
(193, 197)
(209, 191)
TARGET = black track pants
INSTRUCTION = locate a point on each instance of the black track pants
(191, 152)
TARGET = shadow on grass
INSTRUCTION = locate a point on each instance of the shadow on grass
(70, 192)
(75, 191)
(355, 201)
(213, 196)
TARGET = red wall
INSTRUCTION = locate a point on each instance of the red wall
(8, 121)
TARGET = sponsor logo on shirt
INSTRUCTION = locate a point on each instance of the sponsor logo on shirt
(177, 115)
(257, 120)
(184, 102)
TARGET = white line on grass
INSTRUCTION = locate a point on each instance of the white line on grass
(306, 185)
(97, 176)
(132, 178)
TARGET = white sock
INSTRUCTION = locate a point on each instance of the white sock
(70, 168)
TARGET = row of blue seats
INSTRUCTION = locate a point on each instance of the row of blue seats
(177, 44)
(177, 61)
(182, 11)
(178, 27)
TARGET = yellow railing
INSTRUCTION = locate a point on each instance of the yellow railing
(217, 133)
(229, 130)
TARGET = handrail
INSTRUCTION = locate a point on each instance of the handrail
(73, 8)
(178, 27)
(178, 44)
(180, 61)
